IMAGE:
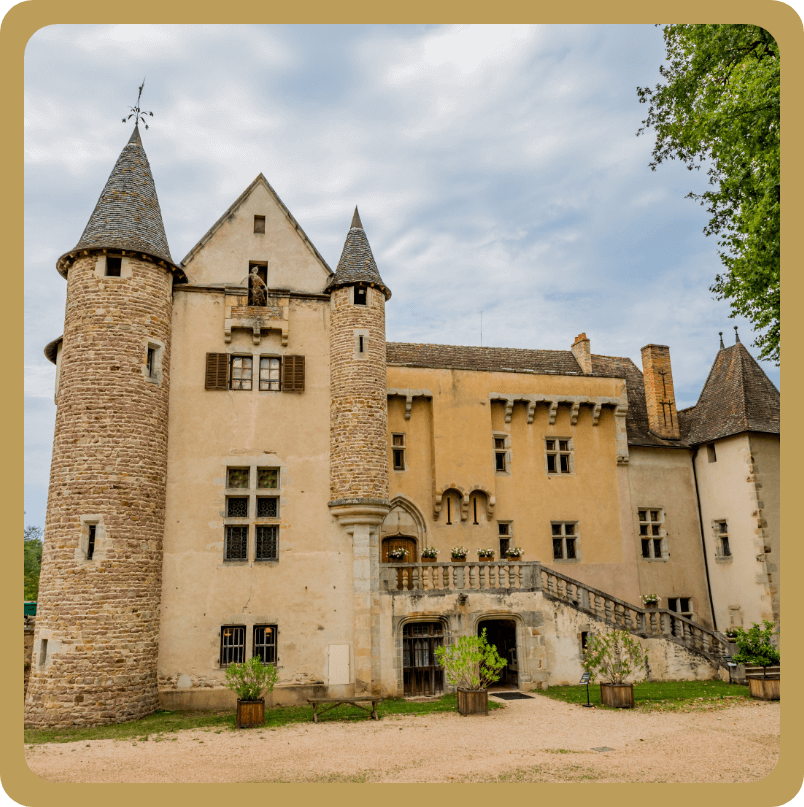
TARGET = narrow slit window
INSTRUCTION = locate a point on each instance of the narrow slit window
(711, 453)
(449, 510)
(91, 541)
(360, 344)
(150, 362)
(42, 652)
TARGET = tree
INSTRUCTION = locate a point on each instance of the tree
(33, 561)
(471, 663)
(755, 646)
(719, 104)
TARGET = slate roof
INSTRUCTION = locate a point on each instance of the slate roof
(357, 264)
(737, 397)
(552, 362)
(127, 215)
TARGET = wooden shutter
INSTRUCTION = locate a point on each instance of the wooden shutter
(217, 375)
(293, 374)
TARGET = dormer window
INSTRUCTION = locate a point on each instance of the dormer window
(259, 224)
(361, 295)
(114, 264)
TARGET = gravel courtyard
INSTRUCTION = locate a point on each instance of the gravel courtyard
(534, 740)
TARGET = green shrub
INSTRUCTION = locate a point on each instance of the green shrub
(754, 646)
(471, 663)
(251, 678)
(614, 656)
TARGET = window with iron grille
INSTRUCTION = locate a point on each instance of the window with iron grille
(565, 540)
(237, 507)
(681, 605)
(559, 455)
(267, 478)
(398, 450)
(270, 373)
(267, 507)
(265, 643)
(237, 477)
(722, 548)
(233, 645)
(654, 547)
(236, 542)
(240, 375)
(266, 542)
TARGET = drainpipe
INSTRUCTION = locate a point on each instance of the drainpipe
(703, 541)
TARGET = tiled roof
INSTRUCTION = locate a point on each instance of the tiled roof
(357, 264)
(737, 397)
(127, 215)
(557, 362)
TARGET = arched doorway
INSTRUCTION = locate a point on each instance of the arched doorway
(421, 673)
(502, 634)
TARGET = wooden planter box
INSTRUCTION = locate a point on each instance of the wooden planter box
(250, 714)
(486, 560)
(461, 559)
(473, 702)
(620, 696)
(766, 689)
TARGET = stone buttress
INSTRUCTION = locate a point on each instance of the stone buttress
(359, 434)
(95, 648)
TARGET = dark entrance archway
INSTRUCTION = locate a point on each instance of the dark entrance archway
(502, 634)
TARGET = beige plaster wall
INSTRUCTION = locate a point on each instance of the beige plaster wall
(225, 257)
(728, 490)
(449, 442)
(662, 478)
(765, 449)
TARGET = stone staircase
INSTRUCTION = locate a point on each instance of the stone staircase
(658, 623)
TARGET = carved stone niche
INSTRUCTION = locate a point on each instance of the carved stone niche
(272, 316)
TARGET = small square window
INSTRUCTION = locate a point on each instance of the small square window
(559, 456)
(240, 375)
(237, 478)
(114, 265)
(267, 478)
(267, 507)
(237, 507)
(361, 295)
(259, 224)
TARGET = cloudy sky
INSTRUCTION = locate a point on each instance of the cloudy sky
(496, 169)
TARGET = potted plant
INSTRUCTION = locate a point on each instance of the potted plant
(650, 600)
(486, 555)
(515, 553)
(731, 634)
(429, 554)
(249, 680)
(398, 553)
(755, 647)
(615, 656)
(471, 664)
(458, 553)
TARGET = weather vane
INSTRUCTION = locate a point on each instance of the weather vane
(137, 113)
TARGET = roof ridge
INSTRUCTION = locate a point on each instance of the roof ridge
(236, 204)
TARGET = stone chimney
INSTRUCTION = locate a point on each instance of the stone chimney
(659, 394)
(582, 350)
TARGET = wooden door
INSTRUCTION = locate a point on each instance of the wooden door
(422, 674)
(399, 542)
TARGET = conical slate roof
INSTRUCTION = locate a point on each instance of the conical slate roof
(737, 397)
(127, 215)
(357, 264)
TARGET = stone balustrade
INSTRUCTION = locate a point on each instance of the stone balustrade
(474, 576)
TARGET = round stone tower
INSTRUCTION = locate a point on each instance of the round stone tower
(359, 433)
(95, 647)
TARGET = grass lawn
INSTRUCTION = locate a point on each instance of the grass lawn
(661, 696)
(157, 726)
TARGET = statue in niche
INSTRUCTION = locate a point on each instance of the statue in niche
(257, 289)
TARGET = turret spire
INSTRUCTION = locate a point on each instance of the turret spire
(356, 221)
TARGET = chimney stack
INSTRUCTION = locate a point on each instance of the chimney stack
(659, 394)
(582, 350)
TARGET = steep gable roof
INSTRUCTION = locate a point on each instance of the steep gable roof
(127, 215)
(737, 397)
(260, 179)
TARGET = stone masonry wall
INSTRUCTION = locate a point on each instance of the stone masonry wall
(659, 394)
(358, 412)
(100, 617)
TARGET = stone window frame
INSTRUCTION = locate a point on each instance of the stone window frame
(558, 452)
(507, 536)
(233, 657)
(274, 629)
(723, 552)
(353, 296)
(504, 452)
(401, 448)
(101, 542)
(361, 336)
(253, 492)
(126, 267)
(574, 535)
(257, 221)
(651, 535)
(156, 374)
(689, 613)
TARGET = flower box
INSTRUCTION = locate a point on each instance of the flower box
(250, 713)
(620, 696)
(473, 701)
(765, 689)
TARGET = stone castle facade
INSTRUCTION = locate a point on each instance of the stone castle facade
(236, 475)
